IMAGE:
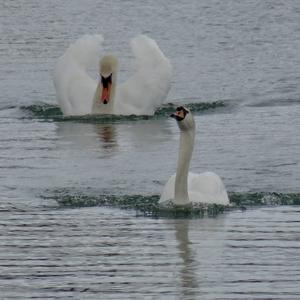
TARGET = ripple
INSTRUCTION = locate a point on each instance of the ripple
(53, 112)
(149, 206)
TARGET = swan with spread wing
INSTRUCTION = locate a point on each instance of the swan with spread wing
(79, 94)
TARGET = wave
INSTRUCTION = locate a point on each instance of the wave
(275, 102)
(49, 111)
(149, 206)
(198, 107)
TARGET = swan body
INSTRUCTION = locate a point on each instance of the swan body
(79, 94)
(185, 187)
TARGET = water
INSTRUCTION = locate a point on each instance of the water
(78, 196)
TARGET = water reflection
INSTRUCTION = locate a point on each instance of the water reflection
(114, 137)
(149, 134)
(201, 247)
(79, 136)
(189, 284)
(107, 136)
(102, 155)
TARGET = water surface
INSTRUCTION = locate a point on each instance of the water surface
(78, 195)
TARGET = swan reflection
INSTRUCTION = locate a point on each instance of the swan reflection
(107, 136)
(112, 138)
(188, 276)
(88, 137)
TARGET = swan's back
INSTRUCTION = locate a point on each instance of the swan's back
(202, 188)
(207, 188)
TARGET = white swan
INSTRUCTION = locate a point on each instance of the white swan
(79, 94)
(184, 187)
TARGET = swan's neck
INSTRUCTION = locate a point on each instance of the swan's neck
(186, 146)
(98, 106)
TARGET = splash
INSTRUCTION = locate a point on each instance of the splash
(149, 205)
(53, 112)
(198, 107)
(260, 198)
(43, 110)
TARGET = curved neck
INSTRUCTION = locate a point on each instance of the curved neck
(186, 146)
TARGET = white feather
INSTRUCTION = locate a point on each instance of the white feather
(147, 89)
(185, 187)
(74, 87)
(141, 94)
(205, 187)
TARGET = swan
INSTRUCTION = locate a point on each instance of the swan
(79, 94)
(184, 187)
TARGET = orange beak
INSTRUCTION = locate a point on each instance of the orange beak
(179, 114)
(105, 97)
(106, 83)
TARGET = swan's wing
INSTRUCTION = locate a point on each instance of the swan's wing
(207, 187)
(74, 87)
(148, 87)
(202, 188)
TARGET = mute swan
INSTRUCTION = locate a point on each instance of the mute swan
(183, 187)
(79, 94)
